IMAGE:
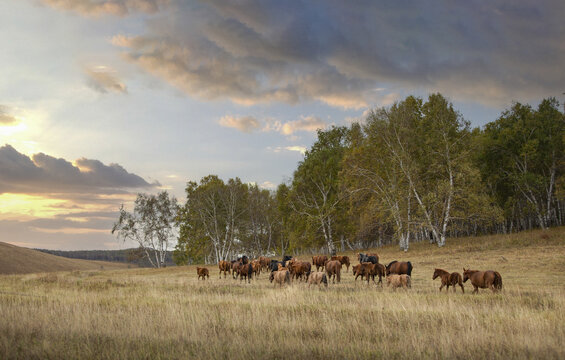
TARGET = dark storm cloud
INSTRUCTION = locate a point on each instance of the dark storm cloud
(341, 52)
(46, 174)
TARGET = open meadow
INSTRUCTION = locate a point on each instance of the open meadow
(170, 314)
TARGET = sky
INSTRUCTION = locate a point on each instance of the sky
(104, 99)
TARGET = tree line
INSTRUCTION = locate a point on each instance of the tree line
(414, 171)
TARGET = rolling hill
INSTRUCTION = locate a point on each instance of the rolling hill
(19, 260)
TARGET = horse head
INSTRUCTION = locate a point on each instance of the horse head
(436, 274)
(466, 274)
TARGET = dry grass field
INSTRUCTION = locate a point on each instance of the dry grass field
(169, 314)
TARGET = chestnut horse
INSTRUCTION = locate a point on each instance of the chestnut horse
(399, 268)
(483, 279)
(245, 271)
(319, 261)
(333, 268)
(344, 260)
(225, 267)
(202, 273)
(448, 279)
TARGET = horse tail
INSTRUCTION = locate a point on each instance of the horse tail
(249, 271)
(497, 280)
(409, 272)
(325, 279)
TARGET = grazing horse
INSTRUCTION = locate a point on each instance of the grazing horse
(344, 260)
(298, 269)
(399, 268)
(399, 281)
(280, 277)
(448, 279)
(245, 271)
(225, 267)
(333, 268)
(317, 278)
(319, 261)
(202, 272)
(356, 271)
(372, 258)
(483, 279)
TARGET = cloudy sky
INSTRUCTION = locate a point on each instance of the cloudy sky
(102, 99)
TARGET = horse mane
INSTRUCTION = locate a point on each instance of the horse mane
(392, 262)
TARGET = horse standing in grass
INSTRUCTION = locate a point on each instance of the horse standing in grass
(202, 273)
(245, 271)
(372, 258)
(448, 279)
(280, 277)
(225, 267)
(483, 279)
(344, 260)
(319, 261)
(333, 268)
(399, 268)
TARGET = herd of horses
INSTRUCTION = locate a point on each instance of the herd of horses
(397, 273)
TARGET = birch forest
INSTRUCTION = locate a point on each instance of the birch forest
(414, 171)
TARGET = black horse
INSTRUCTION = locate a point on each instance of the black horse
(366, 258)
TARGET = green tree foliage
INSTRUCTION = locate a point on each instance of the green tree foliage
(151, 225)
(316, 198)
(212, 219)
(413, 169)
(521, 161)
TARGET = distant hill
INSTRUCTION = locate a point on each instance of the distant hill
(19, 260)
(127, 256)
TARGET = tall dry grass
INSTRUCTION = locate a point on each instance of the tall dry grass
(169, 314)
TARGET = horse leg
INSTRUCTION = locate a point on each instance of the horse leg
(462, 289)
(476, 291)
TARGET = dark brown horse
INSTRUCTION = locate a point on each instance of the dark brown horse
(400, 268)
(245, 271)
(202, 273)
(483, 279)
(333, 268)
(448, 279)
(225, 267)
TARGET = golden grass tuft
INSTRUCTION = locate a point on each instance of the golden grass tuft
(169, 314)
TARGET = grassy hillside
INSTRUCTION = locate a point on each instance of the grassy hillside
(169, 314)
(18, 260)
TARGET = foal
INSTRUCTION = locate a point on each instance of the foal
(448, 279)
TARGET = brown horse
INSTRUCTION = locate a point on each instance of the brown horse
(333, 268)
(344, 260)
(264, 261)
(483, 279)
(319, 261)
(448, 279)
(256, 265)
(369, 271)
(245, 271)
(225, 267)
(399, 268)
(202, 273)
